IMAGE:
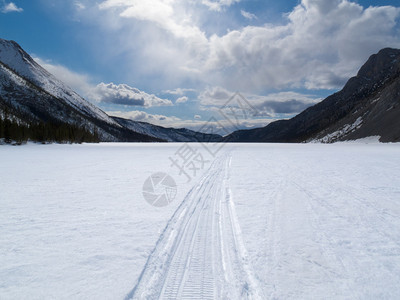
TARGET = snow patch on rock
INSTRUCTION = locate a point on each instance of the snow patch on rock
(334, 136)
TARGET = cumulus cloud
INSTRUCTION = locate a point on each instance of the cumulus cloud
(79, 5)
(220, 99)
(123, 94)
(178, 91)
(212, 125)
(248, 15)
(146, 27)
(319, 46)
(288, 103)
(323, 6)
(323, 43)
(182, 99)
(142, 116)
(217, 5)
(160, 12)
(11, 7)
(215, 96)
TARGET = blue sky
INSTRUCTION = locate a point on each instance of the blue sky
(176, 63)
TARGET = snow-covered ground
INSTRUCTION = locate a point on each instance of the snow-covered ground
(265, 221)
(321, 221)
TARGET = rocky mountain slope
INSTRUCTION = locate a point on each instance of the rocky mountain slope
(368, 105)
(29, 94)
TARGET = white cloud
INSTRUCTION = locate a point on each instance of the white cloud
(182, 99)
(323, 6)
(221, 126)
(123, 94)
(161, 34)
(142, 116)
(217, 5)
(248, 15)
(321, 46)
(79, 5)
(160, 12)
(211, 98)
(216, 98)
(11, 7)
(288, 103)
(178, 91)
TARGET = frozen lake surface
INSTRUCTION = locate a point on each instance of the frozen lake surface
(260, 221)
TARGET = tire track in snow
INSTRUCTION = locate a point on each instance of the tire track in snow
(200, 254)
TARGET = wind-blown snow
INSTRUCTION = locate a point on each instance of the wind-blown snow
(295, 221)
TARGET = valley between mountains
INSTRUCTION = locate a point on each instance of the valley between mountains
(368, 105)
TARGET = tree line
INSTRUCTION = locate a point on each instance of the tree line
(45, 132)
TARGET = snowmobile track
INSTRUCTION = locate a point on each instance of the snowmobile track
(200, 254)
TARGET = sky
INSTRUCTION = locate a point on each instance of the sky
(230, 63)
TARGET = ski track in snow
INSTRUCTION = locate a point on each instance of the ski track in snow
(200, 254)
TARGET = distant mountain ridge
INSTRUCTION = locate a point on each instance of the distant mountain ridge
(168, 134)
(368, 105)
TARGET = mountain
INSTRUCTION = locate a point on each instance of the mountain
(168, 134)
(31, 95)
(32, 99)
(368, 105)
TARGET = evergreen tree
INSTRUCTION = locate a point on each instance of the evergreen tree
(43, 132)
